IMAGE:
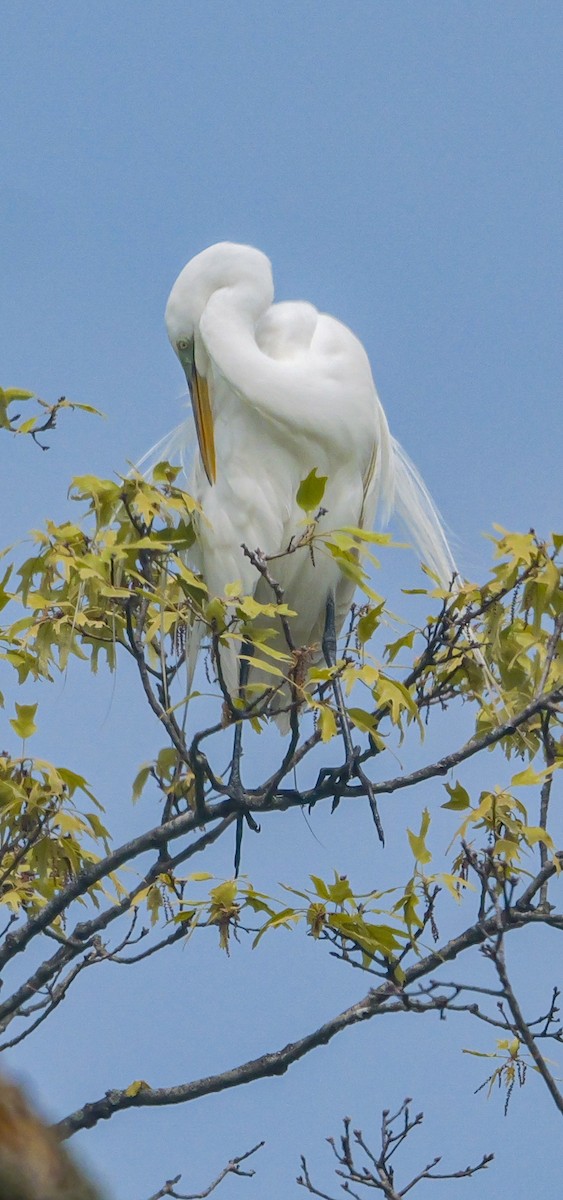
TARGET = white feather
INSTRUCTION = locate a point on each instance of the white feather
(289, 389)
(176, 447)
(414, 505)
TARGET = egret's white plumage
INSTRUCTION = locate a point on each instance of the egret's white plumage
(277, 390)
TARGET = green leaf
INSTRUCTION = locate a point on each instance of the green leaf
(138, 1085)
(382, 939)
(327, 723)
(522, 546)
(191, 579)
(225, 894)
(69, 823)
(87, 408)
(370, 535)
(529, 777)
(283, 919)
(418, 841)
(259, 665)
(98, 829)
(24, 724)
(340, 890)
(393, 693)
(166, 760)
(506, 848)
(459, 798)
(455, 884)
(140, 781)
(362, 720)
(17, 394)
(367, 674)
(249, 607)
(367, 624)
(311, 491)
(320, 887)
(535, 833)
(393, 648)
(74, 781)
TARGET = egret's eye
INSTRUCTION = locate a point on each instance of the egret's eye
(183, 343)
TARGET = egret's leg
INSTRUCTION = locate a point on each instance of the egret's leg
(234, 778)
(352, 765)
(329, 645)
(235, 782)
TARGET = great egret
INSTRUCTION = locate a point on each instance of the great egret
(277, 390)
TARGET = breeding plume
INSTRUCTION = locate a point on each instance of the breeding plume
(277, 390)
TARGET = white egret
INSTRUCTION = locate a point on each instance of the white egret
(277, 390)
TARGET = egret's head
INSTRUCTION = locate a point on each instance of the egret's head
(244, 271)
(225, 265)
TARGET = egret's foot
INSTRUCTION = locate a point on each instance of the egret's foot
(352, 769)
(237, 793)
(245, 817)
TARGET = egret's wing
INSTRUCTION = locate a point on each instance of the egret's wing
(414, 505)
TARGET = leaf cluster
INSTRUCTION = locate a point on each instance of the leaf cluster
(121, 579)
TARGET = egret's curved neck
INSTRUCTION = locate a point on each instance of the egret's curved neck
(243, 302)
(240, 271)
(274, 388)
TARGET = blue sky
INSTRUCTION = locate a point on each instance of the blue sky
(401, 165)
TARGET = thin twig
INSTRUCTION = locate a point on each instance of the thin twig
(387, 997)
(232, 1168)
(522, 1028)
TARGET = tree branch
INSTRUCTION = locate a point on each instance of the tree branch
(379, 1174)
(84, 931)
(232, 1168)
(387, 997)
(521, 1026)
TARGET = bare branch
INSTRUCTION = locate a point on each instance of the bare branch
(84, 931)
(54, 997)
(379, 1174)
(259, 561)
(233, 1167)
(388, 997)
(545, 796)
(474, 746)
(521, 1027)
(329, 781)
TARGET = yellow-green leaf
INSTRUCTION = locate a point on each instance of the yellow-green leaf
(24, 724)
(362, 720)
(140, 781)
(311, 491)
(17, 394)
(418, 840)
(138, 1085)
(529, 777)
(327, 722)
(535, 833)
(367, 624)
(459, 798)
